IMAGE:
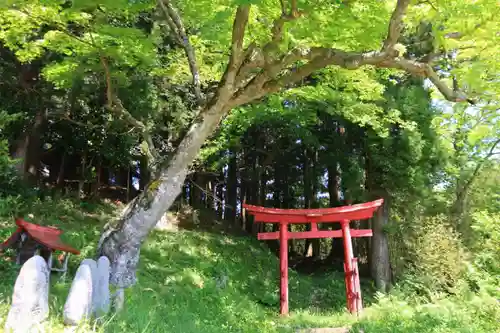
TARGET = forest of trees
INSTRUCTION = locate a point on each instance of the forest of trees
(115, 99)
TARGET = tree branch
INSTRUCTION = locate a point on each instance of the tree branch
(237, 55)
(395, 25)
(277, 28)
(490, 153)
(175, 23)
(426, 71)
(270, 75)
(318, 58)
(115, 105)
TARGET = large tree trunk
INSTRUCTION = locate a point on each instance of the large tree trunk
(380, 265)
(29, 148)
(121, 242)
(62, 168)
(380, 262)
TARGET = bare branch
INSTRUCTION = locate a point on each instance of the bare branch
(237, 55)
(295, 10)
(283, 7)
(175, 23)
(426, 71)
(239, 27)
(277, 28)
(480, 164)
(395, 25)
(115, 105)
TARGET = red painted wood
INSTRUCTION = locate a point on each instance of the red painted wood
(323, 215)
(357, 288)
(283, 269)
(315, 234)
(315, 212)
(354, 301)
(348, 256)
(264, 217)
(48, 236)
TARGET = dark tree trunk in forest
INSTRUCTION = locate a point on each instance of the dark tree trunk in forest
(83, 176)
(183, 200)
(219, 201)
(60, 174)
(262, 193)
(28, 151)
(278, 175)
(380, 265)
(209, 191)
(251, 182)
(196, 190)
(312, 246)
(308, 198)
(316, 244)
(97, 184)
(256, 182)
(277, 186)
(231, 189)
(337, 248)
(144, 172)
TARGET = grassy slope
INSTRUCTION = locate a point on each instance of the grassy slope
(202, 281)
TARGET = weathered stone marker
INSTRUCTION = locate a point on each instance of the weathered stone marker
(30, 300)
(102, 302)
(81, 299)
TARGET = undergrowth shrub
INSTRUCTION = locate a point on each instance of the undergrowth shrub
(477, 313)
(10, 182)
(435, 259)
(484, 244)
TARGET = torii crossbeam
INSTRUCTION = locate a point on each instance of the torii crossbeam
(343, 215)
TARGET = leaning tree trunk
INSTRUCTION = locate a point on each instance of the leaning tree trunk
(121, 242)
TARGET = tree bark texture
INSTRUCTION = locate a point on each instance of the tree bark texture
(380, 260)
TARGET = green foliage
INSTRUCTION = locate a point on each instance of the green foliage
(436, 257)
(486, 243)
(397, 314)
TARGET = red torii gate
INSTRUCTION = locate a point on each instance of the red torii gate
(343, 215)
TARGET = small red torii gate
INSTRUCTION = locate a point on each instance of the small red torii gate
(343, 214)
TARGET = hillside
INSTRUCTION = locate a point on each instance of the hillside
(194, 280)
